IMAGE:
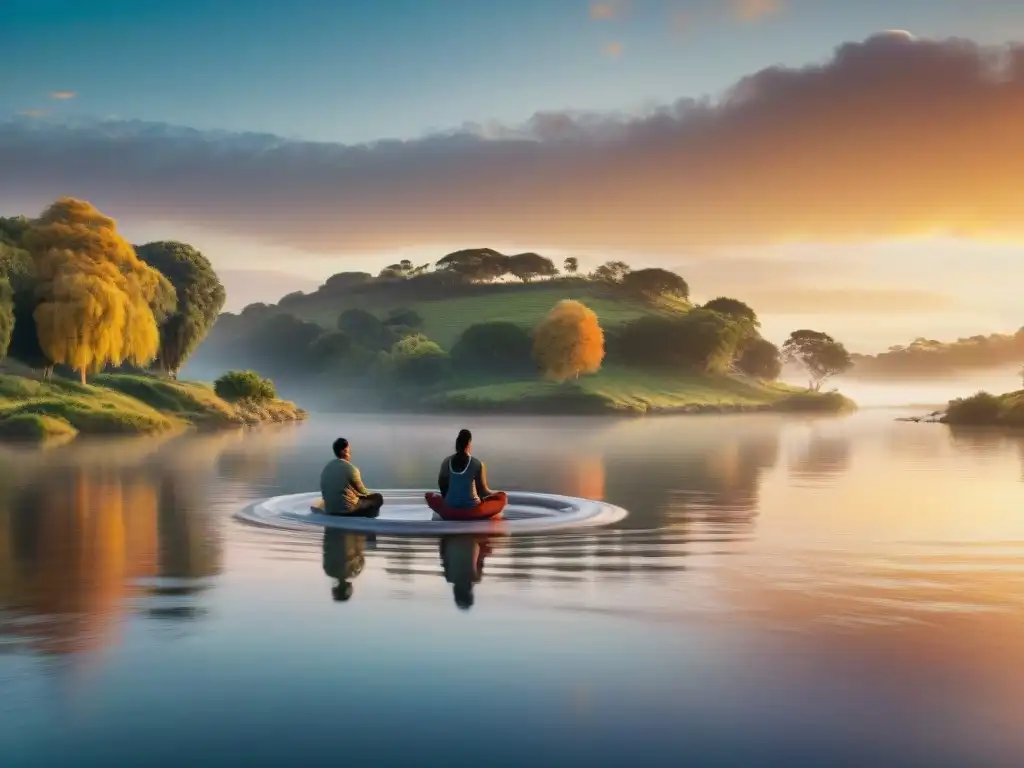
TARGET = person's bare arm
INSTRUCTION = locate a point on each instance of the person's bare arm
(481, 482)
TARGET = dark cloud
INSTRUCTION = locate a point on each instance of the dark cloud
(891, 137)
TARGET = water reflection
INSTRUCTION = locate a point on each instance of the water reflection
(462, 558)
(343, 560)
(90, 535)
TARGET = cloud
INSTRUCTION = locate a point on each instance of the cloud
(33, 113)
(755, 10)
(62, 95)
(892, 137)
(613, 50)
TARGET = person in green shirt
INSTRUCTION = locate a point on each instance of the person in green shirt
(341, 486)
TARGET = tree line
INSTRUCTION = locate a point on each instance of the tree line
(75, 293)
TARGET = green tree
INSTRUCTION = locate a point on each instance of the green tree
(818, 353)
(330, 348)
(612, 272)
(244, 385)
(571, 265)
(761, 359)
(700, 340)
(530, 266)
(655, 282)
(498, 347)
(6, 316)
(198, 299)
(366, 329)
(723, 305)
(418, 360)
(475, 265)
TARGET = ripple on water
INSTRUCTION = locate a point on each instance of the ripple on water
(405, 513)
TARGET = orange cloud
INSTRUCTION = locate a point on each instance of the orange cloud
(62, 95)
(849, 301)
(755, 10)
(893, 137)
(614, 50)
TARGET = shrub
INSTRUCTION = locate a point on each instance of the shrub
(418, 360)
(980, 409)
(498, 347)
(244, 385)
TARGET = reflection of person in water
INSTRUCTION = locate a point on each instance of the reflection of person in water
(343, 560)
(463, 560)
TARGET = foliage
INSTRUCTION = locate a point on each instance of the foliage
(612, 272)
(734, 308)
(475, 264)
(655, 282)
(497, 347)
(761, 359)
(979, 409)
(97, 298)
(284, 342)
(199, 298)
(929, 357)
(529, 266)
(822, 356)
(6, 316)
(418, 360)
(400, 317)
(366, 330)
(36, 427)
(571, 265)
(12, 230)
(342, 282)
(568, 342)
(330, 347)
(700, 340)
(244, 385)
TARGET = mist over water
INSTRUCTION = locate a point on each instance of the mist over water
(860, 580)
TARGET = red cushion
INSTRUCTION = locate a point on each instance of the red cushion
(488, 508)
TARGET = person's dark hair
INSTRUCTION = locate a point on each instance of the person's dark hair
(463, 594)
(339, 446)
(463, 440)
(341, 591)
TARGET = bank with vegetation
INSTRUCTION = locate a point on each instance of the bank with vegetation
(987, 410)
(93, 332)
(479, 330)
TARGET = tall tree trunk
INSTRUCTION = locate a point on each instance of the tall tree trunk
(81, 375)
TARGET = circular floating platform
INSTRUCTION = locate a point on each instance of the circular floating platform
(406, 512)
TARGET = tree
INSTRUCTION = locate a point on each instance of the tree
(366, 329)
(6, 316)
(612, 272)
(475, 264)
(700, 340)
(97, 298)
(198, 299)
(655, 282)
(343, 282)
(822, 356)
(244, 385)
(761, 359)
(568, 342)
(498, 347)
(571, 265)
(418, 360)
(723, 305)
(529, 266)
(403, 317)
(284, 341)
(329, 347)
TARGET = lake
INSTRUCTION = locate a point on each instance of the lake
(784, 592)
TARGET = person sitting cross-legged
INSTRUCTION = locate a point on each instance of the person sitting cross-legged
(341, 486)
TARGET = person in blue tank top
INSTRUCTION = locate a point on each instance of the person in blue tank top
(462, 480)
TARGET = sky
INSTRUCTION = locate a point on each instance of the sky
(785, 148)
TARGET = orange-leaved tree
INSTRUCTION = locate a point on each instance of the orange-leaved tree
(568, 342)
(99, 304)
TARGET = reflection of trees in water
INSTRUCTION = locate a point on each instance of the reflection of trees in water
(76, 543)
(821, 457)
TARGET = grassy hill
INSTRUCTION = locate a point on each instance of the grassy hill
(60, 409)
(445, 317)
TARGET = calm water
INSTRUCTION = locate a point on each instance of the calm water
(783, 593)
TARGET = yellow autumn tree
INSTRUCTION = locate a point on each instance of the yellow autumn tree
(568, 342)
(99, 304)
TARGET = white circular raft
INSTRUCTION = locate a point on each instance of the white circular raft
(406, 512)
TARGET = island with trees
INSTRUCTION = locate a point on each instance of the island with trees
(93, 332)
(480, 330)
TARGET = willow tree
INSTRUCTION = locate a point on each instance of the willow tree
(199, 298)
(98, 303)
(568, 342)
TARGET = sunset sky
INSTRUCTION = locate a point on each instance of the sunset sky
(788, 152)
